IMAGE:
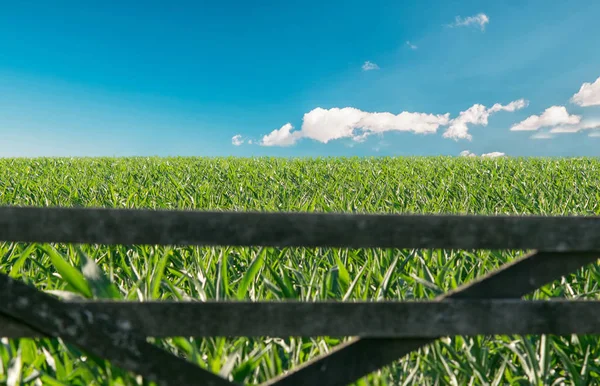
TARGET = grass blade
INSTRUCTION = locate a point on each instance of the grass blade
(250, 274)
(69, 273)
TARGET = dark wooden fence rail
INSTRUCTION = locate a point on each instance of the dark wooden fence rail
(383, 331)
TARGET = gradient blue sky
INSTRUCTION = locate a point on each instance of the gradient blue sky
(126, 78)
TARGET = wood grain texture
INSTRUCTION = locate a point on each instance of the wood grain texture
(280, 229)
(365, 319)
(98, 334)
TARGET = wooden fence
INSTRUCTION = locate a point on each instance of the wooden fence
(383, 331)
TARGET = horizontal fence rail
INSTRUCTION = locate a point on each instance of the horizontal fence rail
(383, 331)
(414, 319)
(130, 226)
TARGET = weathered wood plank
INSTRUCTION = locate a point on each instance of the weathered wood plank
(416, 319)
(97, 334)
(354, 359)
(126, 226)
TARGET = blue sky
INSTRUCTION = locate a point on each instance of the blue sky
(183, 78)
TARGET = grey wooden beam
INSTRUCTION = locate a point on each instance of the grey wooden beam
(97, 334)
(128, 226)
(417, 319)
(358, 357)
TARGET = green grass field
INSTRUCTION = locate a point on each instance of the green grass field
(386, 185)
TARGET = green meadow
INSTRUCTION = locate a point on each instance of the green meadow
(370, 185)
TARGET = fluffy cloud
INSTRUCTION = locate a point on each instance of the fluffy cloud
(324, 125)
(478, 115)
(494, 154)
(588, 94)
(479, 20)
(551, 117)
(369, 66)
(237, 140)
(281, 137)
(595, 134)
(419, 123)
(412, 46)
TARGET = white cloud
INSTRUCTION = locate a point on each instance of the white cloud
(511, 107)
(478, 115)
(412, 46)
(480, 20)
(281, 137)
(369, 66)
(588, 94)
(494, 154)
(595, 134)
(237, 140)
(419, 123)
(551, 117)
(325, 125)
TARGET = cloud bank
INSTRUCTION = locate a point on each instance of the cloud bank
(325, 125)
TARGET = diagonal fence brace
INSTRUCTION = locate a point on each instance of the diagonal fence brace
(359, 357)
(97, 334)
